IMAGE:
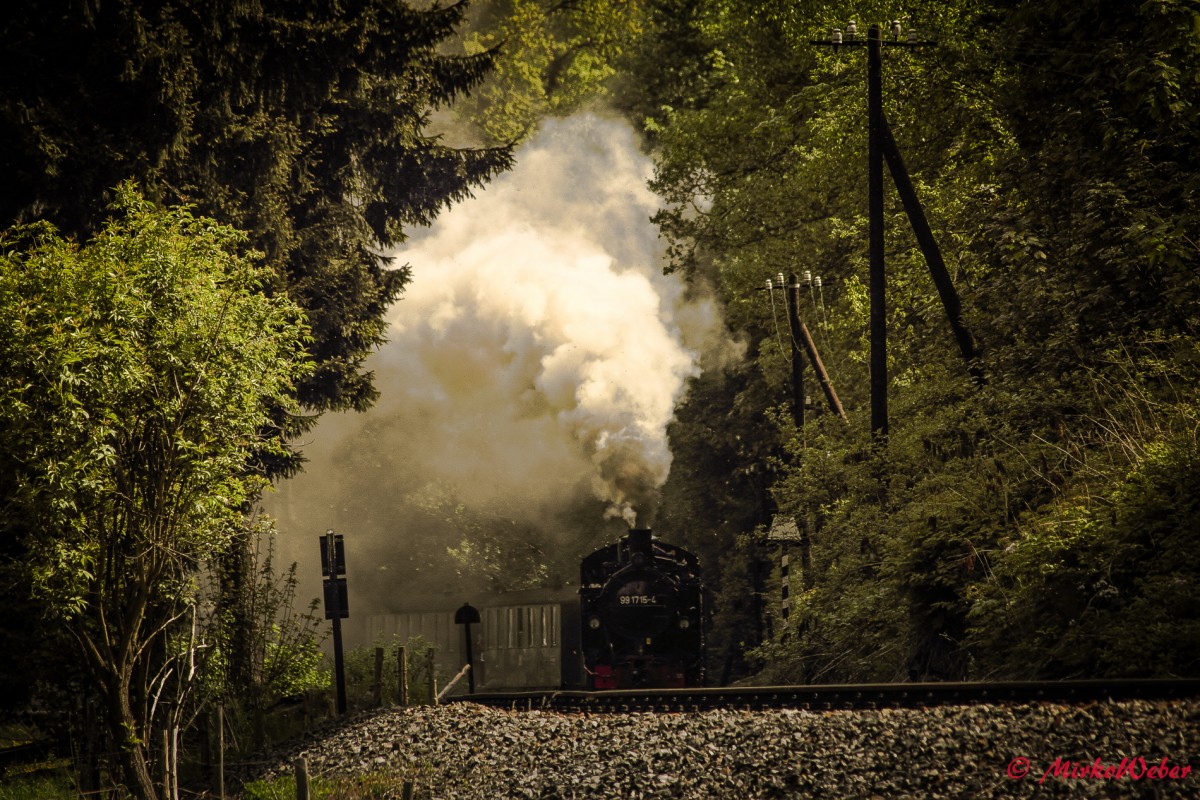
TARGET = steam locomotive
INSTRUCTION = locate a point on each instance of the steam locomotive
(642, 606)
(636, 621)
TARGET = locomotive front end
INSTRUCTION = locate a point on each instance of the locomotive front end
(642, 609)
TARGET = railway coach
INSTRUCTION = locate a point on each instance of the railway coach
(635, 621)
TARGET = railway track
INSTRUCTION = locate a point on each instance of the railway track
(841, 697)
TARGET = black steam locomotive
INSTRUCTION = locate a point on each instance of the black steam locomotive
(642, 607)
(637, 620)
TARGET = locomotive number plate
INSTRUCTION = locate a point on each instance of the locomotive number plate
(638, 600)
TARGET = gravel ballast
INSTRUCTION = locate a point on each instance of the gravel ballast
(463, 750)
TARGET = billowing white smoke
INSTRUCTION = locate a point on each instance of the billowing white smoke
(532, 368)
(538, 342)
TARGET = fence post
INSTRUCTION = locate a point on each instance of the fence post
(302, 778)
(432, 679)
(377, 687)
(221, 751)
(402, 674)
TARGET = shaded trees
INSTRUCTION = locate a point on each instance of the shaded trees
(303, 125)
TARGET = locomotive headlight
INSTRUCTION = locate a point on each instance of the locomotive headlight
(594, 623)
(684, 624)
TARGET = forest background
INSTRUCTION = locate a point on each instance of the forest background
(1040, 523)
(1036, 524)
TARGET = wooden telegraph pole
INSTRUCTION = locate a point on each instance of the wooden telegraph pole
(791, 291)
(877, 278)
(802, 341)
(880, 145)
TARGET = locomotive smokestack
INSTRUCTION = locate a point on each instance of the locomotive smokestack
(639, 540)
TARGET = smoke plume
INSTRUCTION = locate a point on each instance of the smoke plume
(538, 349)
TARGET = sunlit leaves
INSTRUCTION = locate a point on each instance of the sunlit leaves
(140, 366)
(550, 59)
(1053, 149)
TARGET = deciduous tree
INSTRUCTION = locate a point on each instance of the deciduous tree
(140, 370)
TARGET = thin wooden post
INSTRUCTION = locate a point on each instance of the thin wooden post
(302, 778)
(174, 737)
(377, 687)
(402, 674)
(221, 751)
(408, 790)
(166, 764)
(432, 679)
(466, 670)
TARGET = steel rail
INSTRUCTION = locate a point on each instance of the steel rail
(831, 697)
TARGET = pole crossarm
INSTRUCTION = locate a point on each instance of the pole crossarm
(850, 39)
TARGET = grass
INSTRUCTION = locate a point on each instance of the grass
(54, 786)
(379, 786)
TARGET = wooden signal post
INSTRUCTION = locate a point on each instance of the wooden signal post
(337, 606)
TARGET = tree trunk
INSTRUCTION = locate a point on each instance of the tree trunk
(127, 731)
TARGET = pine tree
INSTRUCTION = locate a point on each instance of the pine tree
(303, 124)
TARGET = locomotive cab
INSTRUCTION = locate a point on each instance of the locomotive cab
(642, 613)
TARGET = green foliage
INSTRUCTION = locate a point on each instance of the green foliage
(1096, 583)
(142, 368)
(286, 640)
(139, 368)
(551, 58)
(1022, 529)
(42, 787)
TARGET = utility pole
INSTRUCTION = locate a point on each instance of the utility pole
(880, 145)
(801, 338)
(792, 293)
(877, 276)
